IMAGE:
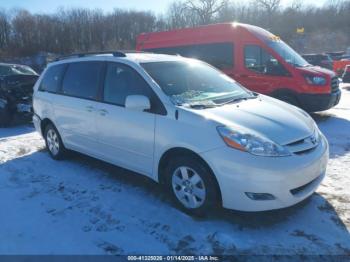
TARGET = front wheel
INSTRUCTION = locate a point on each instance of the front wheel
(54, 142)
(192, 185)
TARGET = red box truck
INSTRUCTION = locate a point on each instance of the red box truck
(254, 57)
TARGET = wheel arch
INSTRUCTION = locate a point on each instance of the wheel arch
(181, 151)
(279, 93)
(43, 124)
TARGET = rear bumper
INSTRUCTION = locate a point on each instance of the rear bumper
(37, 123)
(319, 102)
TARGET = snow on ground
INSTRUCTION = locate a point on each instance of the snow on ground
(85, 206)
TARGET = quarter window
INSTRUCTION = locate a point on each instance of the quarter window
(82, 79)
(219, 55)
(52, 78)
(259, 60)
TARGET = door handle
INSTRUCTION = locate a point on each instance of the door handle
(90, 108)
(103, 112)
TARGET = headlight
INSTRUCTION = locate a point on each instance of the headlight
(251, 143)
(315, 80)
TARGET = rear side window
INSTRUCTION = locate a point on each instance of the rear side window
(52, 79)
(219, 55)
(82, 79)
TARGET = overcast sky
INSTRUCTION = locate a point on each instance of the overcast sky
(157, 6)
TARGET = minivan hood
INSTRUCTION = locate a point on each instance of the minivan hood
(269, 117)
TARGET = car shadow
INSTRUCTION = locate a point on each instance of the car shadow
(346, 86)
(16, 130)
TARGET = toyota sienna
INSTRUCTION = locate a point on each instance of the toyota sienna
(204, 137)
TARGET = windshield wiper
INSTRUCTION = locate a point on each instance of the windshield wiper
(201, 106)
(237, 99)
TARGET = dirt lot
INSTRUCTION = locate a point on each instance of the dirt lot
(84, 206)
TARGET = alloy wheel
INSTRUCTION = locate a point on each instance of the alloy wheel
(188, 187)
(53, 142)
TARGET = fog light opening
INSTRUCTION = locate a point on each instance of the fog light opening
(260, 196)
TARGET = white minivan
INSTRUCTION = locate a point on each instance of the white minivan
(208, 140)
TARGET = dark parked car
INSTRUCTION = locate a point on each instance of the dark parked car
(345, 57)
(322, 60)
(16, 91)
(336, 55)
(346, 75)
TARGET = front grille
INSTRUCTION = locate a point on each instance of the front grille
(334, 84)
(305, 151)
(305, 145)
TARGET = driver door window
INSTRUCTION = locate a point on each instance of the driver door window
(259, 60)
(122, 81)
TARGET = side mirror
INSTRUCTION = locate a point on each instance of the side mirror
(137, 103)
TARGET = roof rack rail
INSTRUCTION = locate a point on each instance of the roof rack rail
(78, 55)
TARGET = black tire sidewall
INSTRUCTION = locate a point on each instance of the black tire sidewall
(61, 152)
(211, 199)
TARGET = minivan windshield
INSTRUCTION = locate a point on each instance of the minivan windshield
(194, 82)
(287, 53)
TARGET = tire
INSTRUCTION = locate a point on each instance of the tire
(195, 194)
(54, 143)
(5, 117)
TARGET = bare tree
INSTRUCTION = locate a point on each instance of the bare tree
(75, 30)
(205, 9)
(270, 6)
(179, 16)
(5, 28)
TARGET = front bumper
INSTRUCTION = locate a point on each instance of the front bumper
(319, 102)
(289, 179)
(24, 108)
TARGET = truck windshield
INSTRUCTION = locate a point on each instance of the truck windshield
(193, 82)
(287, 53)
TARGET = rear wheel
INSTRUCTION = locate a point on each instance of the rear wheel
(192, 185)
(54, 143)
